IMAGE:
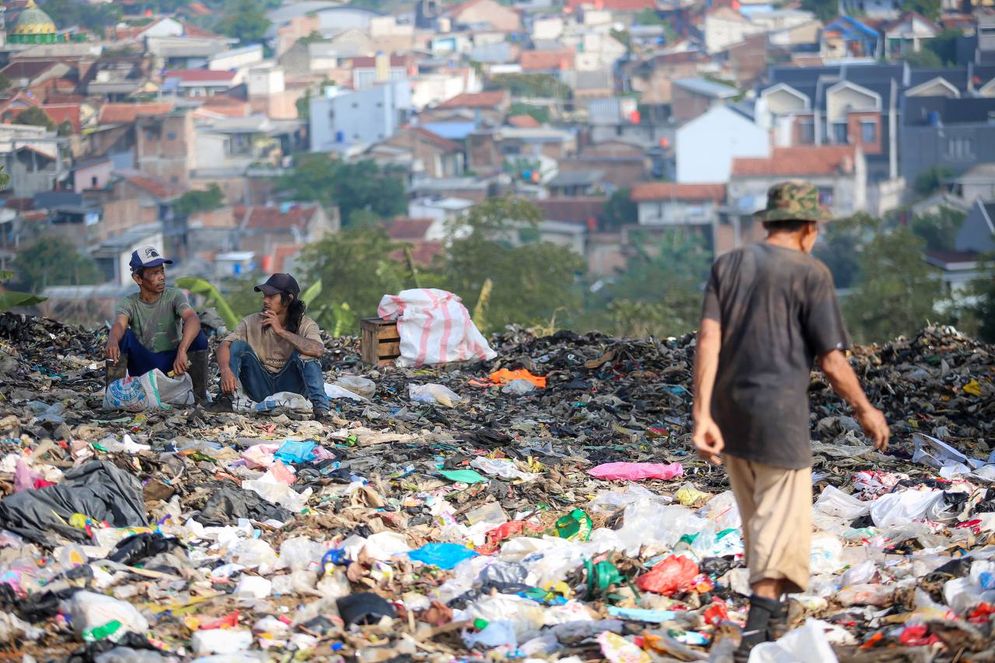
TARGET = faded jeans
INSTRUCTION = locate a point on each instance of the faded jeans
(298, 376)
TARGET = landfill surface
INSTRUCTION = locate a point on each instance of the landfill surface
(462, 512)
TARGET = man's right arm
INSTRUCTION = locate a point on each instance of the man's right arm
(846, 384)
(115, 335)
(228, 381)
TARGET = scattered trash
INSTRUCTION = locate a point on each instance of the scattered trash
(571, 520)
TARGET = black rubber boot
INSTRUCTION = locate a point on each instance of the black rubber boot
(200, 365)
(115, 370)
(757, 623)
(778, 624)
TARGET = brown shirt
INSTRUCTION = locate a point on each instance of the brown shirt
(272, 350)
(777, 309)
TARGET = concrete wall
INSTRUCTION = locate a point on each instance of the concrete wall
(367, 116)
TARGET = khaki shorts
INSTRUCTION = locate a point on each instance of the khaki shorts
(776, 507)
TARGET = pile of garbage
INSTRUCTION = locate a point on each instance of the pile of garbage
(544, 504)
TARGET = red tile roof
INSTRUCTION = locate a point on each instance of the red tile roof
(127, 113)
(154, 186)
(438, 141)
(613, 5)
(490, 99)
(369, 62)
(523, 122)
(64, 113)
(422, 252)
(546, 60)
(409, 230)
(271, 218)
(797, 161)
(647, 191)
(201, 75)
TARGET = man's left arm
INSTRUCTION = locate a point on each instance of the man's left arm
(191, 328)
(306, 345)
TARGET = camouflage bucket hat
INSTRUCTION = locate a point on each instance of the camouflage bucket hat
(793, 201)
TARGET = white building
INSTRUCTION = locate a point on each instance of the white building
(340, 119)
(706, 146)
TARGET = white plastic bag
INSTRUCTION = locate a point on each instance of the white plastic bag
(434, 394)
(807, 644)
(91, 611)
(901, 508)
(151, 391)
(435, 328)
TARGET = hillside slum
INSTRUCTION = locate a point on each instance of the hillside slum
(544, 505)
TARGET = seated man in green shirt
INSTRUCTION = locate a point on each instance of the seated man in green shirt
(146, 332)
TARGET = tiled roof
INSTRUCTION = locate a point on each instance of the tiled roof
(126, 113)
(366, 61)
(409, 230)
(546, 60)
(154, 186)
(64, 113)
(27, 68)
(271, 218)
(201, 75)
(487, 100)
(523, 121)
(797, 161)
(648, 191)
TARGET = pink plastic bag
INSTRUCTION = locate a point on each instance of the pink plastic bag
(636, 471)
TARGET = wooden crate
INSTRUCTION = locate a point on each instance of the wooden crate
(380, 343)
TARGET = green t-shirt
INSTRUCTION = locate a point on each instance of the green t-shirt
(156, 325)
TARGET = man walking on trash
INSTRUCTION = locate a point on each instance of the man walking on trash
(275, 350)
(145, 333)
(769, 310)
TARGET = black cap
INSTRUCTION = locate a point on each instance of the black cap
(280, 284)
(147, 256)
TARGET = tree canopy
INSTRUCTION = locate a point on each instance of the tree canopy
(53, 261)
(244, 20)
(193, 202)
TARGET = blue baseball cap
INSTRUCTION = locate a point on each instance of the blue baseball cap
(145, 257)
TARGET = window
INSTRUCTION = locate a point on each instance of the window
(868, 131)
(331, 115)
(839, 133)
(171, 135)
(826, 196)
(806, 132)
(93, 182)
(960, 149)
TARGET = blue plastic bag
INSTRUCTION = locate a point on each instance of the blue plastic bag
(294, 451)
(443, 555)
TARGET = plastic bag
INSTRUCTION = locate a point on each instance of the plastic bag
(835, 503)
(895, 509)
(636, 471)
(152, 391)
(617, 649)
(433, 393)
(98, 617)
(866, 594)
(501, 467)
(273, 490)
(285, 399)
(444, 555)
(362, 387)
(435, 328)
(672, 575)
(807, 644)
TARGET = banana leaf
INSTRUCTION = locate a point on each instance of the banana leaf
(9, 300)
(203, 287)
(311, 293)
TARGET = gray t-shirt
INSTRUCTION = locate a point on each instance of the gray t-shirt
(778, 311)
(157, 325)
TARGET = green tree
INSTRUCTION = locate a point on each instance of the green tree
(938, 230)
(897, 291)
(532, 282)
(923, 59)
(355, 267)
(648, 17)
(35, 116)
(531, 85)
(4, 83)
(193, 202)
(96, 18)
(823, 9)
(351, 186)
(660, 292)
(244, 20)
(930, 180)
(841, 244)
(929, 8)
(54, 261)
(619, 211)
(539, 113)
(945, 45)
(984, 308)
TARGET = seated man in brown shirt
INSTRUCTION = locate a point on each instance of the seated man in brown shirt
(275, 350)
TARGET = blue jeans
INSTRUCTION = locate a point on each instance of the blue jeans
(299, 376)
(141, 360)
